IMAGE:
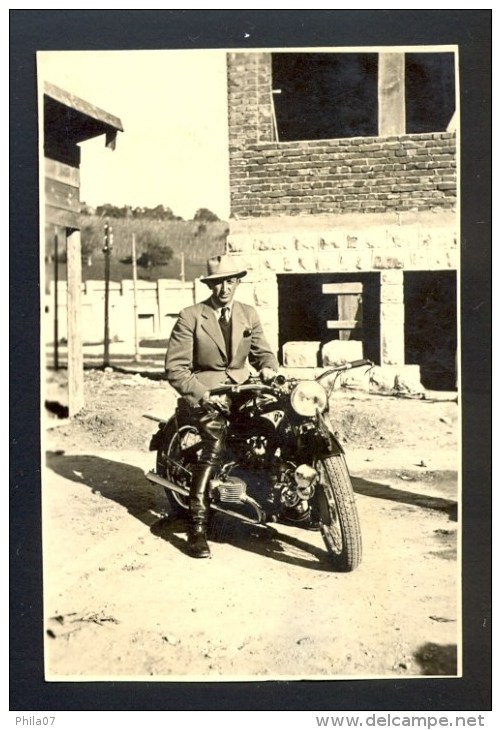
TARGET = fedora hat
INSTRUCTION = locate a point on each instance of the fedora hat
(222, 267)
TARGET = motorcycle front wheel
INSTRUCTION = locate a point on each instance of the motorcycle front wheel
(339, 521)
(173, 460)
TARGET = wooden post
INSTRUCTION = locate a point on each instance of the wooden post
(182, 266)
(137, 355)
(56, 302)
(74, 309)
(108, 243)
(391, 94)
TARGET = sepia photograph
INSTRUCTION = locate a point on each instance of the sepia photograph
(250, 363)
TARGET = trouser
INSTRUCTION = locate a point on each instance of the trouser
(212, 427)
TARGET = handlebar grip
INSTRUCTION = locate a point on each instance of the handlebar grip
(360, 363)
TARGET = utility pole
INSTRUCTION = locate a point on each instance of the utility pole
(108, 245)
(137, 356)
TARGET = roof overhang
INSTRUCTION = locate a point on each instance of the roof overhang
(76, 120)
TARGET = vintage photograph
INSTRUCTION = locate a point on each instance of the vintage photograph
(250, 345)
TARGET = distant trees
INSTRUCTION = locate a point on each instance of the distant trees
(204, 215)
(158, 213)
(156, 254)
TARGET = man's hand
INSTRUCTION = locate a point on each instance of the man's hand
(267, 375)
(221, 402)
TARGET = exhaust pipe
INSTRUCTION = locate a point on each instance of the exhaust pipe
(156, 479)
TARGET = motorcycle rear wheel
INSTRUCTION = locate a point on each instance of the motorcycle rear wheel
(339, 521)
(174, 442)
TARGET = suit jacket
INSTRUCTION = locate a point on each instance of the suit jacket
(196, 358)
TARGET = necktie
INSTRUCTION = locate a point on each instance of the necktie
(225, 325)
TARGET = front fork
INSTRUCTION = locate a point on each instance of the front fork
(317, 440)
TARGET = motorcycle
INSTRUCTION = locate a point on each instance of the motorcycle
(283, 462)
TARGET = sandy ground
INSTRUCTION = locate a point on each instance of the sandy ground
(124, 600)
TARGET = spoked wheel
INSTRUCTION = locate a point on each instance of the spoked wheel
(176, 453)
(339, 522)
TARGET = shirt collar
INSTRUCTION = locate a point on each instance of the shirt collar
(217, 310)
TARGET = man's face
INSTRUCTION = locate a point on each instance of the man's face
(223, 291)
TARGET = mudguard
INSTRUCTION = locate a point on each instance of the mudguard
(331, 443)
(158, 437)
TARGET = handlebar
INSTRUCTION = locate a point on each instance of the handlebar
(280, 380)
(347, 366)
(235, 388)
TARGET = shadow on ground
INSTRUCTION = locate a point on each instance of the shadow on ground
(437, 660)
(127, 486)
(385, 491)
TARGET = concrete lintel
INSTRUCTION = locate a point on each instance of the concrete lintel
(326, 224)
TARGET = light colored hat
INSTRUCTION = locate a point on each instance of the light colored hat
(222, 267)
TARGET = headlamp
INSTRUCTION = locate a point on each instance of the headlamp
(308, 397)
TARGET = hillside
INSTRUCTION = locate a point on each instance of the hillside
(197, 240)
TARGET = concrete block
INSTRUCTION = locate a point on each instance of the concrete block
(329, 240)
(399, 380)
(273, 261)
(392, 342)
(300, 354)
(245, 292)
(392, 311)
(419, 260)
(251, 263)
(274, 242)
(453, 258)
(437, 259)
(392, 276)
(442, 238)
(241, 244)
(352, 260)
(329, 261)
(308, 262)
(336, 352)
(388, 261)
(266, 293)
(372, 238)
(364, 260)
(392, 294)
(307, 240)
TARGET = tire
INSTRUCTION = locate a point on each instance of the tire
(173, 441)
(339, 522)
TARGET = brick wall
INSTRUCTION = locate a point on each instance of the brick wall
(250, 119)
(365, 175)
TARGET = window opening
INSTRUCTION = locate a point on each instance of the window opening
(325, 95)
(429, 92)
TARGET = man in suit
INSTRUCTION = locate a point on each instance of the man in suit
(210, 344)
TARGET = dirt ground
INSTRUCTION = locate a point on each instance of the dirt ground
(124, 600)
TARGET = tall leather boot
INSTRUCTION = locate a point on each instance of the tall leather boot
(199, 511)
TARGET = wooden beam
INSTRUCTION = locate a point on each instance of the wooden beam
(354, 287)
(342, 324)
(74, 325)
(60, 217)
(391, 94)
(60, 172)
(61, 195)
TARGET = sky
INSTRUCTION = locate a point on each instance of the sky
(172, 104)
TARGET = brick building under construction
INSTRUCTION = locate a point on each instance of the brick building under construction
(344, 205)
